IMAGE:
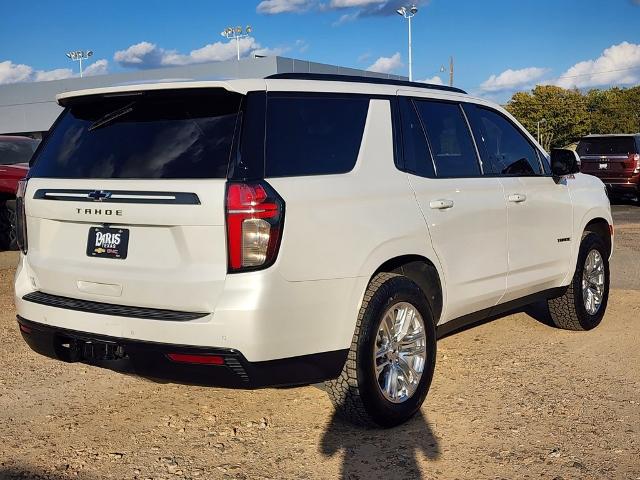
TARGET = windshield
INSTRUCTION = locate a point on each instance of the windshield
(175, 134)
(606, 146)
(17, 151)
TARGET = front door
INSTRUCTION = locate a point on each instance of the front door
(465, 211)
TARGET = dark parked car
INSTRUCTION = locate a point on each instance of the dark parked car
(15, 153)
(615, 159)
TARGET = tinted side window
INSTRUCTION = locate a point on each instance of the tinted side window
(313, 135)
(417, 158)
(452, 148)
(505, 150)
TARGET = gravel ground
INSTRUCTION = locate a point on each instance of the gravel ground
(512, 398)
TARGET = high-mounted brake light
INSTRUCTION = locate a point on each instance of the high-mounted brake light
(21, 217)
(255, 217)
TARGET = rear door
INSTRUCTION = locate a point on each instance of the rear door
(125, 201)
(540, 213)
(465, 211)
(612, 159)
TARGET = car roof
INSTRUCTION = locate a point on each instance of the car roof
(281, 82)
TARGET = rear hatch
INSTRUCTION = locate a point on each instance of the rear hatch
(611, 158)
(125, 200)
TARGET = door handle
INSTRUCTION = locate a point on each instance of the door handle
(441, 204)
(517, 197)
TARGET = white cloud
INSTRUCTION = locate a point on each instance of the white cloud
(359, 8)
(99, 67)
(57, 74)
(386, 64)
(618, 65)
(354, 3)
(435, 80)
(513, 79)
(14, 73)
(145, 55)
(272, 7)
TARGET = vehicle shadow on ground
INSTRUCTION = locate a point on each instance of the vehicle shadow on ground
(380, 453)
(28, 473)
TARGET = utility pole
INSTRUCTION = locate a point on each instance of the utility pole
(451, 71)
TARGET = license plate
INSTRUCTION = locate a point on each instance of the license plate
(105, 242)
(603, 166)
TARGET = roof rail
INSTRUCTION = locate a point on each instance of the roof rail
(359, 79)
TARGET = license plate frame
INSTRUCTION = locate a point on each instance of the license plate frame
(108, 242)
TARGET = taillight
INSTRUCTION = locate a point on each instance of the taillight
(255, 217)
(21, 217)
(635, 157)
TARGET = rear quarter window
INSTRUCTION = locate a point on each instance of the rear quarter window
(313, 135)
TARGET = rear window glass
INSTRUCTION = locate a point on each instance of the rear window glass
(313, 135)
(606, 146)
(17, 151)
(156, 135)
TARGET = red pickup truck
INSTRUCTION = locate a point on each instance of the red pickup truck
(15, 153)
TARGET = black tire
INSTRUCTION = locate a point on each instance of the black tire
(568, 311)
(355, 393)
(8, 225)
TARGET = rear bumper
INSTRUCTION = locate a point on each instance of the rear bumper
(150, 359)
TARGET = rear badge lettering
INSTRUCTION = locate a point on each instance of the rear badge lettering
(98, 211)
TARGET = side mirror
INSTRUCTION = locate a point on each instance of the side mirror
(564, 162)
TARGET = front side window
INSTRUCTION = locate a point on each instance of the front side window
(454, 154)
(504, 149)
(313, 135)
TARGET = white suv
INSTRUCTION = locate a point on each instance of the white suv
(296, 229)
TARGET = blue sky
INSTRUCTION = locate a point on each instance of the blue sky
(499, 45)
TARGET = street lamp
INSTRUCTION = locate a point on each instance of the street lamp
(541, 121)
(408, 13)
(237, 33)
(78, 56)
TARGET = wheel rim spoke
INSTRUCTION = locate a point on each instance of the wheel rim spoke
(400, 352)
(593, 282)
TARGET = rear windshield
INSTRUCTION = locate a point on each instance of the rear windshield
(606, 146)
(186, 134)
(17, 151)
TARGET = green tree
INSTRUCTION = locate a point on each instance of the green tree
(564, 113)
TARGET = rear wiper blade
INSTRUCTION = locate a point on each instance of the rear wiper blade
(110, 117)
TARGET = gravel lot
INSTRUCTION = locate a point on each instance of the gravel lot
(512, 398)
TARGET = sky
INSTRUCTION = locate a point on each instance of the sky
(499, 46)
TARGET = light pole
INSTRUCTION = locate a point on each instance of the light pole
(237, 33)
(543, 120)
(78, 56)
(409, 13)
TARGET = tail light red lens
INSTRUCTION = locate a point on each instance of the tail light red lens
(255, 217)
(21, 217)
(635, 157)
